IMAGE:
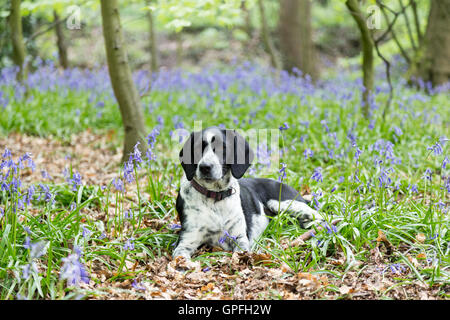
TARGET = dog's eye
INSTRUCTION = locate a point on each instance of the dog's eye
(213, 139)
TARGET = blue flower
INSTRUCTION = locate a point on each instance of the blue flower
(282, 172)
(413, 188)
(226, 236)
(174, 226)
(428, 173)
(137, 285)
(7, 153)
(445, 162)
(284, 127)
(75, 181)
(317, 175)
(129, 244)
(436, 148)
(308, 153)
(73, 270)
(118, 184)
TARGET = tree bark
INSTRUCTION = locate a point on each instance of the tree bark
(152, 41)
(268, 44)
(367, 48)
(61, 42)
(296, 45)
(15, 24)
(121, 78)
(434, 55)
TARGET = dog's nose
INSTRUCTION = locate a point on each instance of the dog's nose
(205, 168)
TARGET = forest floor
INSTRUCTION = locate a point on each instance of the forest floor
(225, 275)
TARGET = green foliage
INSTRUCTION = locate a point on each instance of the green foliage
(177, 14)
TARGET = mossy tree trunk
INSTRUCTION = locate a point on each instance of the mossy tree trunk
(295, 33)
(121, 78)
(367, 44)
(61, 42)
(433, 58)
(15, 25)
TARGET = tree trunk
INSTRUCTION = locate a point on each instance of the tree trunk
(179, 49)
(268, 44)
(296, 45)
(121, 78)
(367, 48)
(434, 54)
(152, 41)
(15, 24)
(61, 42)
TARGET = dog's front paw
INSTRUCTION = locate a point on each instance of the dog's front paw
(307, 220)
(182, 264)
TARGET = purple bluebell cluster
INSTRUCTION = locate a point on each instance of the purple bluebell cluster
(73, 270)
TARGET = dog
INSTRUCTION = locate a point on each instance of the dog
(216, 206)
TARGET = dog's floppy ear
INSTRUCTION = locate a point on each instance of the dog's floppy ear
(188, 155)
(239, 153)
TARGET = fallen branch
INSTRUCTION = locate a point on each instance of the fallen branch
(308, 235)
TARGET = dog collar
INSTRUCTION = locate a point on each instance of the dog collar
(216, 195)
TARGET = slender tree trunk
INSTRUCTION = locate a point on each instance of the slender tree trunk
(296, 45)
(247, 21)
(434, 55)
(61, 42)
(15, 24)
(152, 41)
(121, 78)
(179, 49)
(367, 48)
(268, 44)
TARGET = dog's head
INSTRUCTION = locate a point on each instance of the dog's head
(212, 154)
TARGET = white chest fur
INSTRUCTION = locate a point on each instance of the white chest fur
(218, 223)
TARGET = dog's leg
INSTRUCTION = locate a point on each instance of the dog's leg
(188, 243)
(241, 244)
(305, 215)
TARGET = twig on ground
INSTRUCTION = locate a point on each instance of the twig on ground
(309, 234)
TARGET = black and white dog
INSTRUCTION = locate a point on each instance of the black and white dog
(216, 206)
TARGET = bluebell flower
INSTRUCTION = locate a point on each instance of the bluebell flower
(118, 184)
(6, 154)
(75, 180)
(436, 148)
(136, 154)
(28, 269)
(413, 188)
(175, 226)
(445, 162)
(282, 172)
(38, 249)
(128, 214)
(285, 126)
(325, 125)
(73, 270)
(398, 131)
(128, 171)
(137, 285)
(45, 175)
(86, 232)
(226, 236)
(428, 173)
(308, 153)
(129, 244)
(317, 174)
